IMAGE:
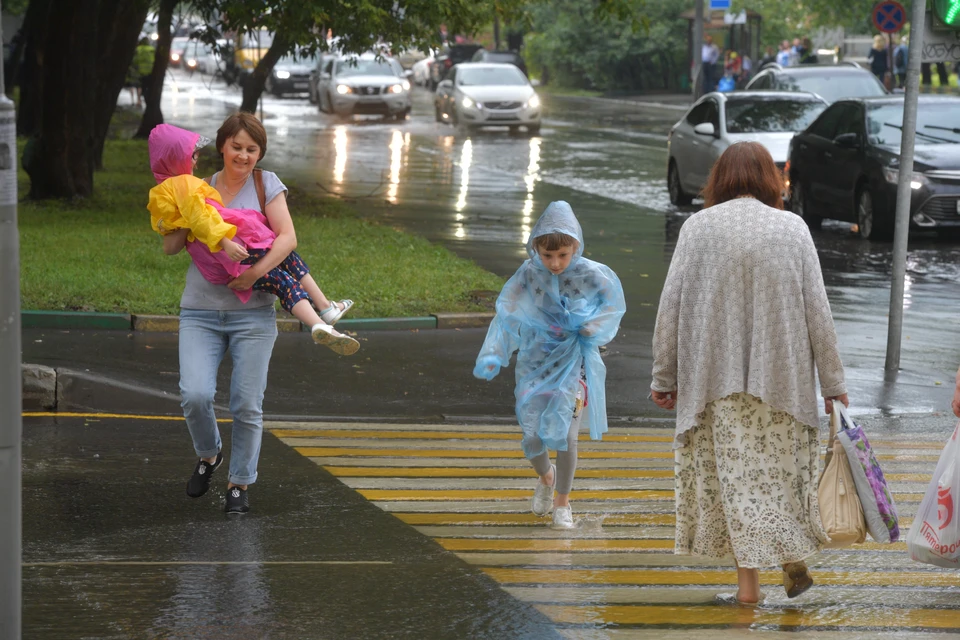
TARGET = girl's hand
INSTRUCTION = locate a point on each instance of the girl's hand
(828, 402)
(587, 330)
(234, 251)
(665, 400)
(244, 281)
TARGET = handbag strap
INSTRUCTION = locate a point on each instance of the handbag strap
(261, 191)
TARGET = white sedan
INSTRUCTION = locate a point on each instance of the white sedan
(719, 120)
(482, 94)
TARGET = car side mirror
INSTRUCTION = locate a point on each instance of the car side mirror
(847, 141)
(408, 73)
(446, 84)
(705, 129)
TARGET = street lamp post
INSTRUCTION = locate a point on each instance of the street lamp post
(902, 229)
(697, 69)
(10, 377)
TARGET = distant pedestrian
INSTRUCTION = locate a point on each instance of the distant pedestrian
(900, 57)
(743, 325)
(214, 321)
(769, 58)
(710, 56)
(808, 55)
(558, 309)
(942, 75)
(783, 56)
(143, 63)
(877, 58)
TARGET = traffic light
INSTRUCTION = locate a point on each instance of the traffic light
(947, 12)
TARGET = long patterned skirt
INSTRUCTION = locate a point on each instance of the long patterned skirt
(747, 485)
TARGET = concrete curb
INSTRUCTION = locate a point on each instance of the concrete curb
(171, 324)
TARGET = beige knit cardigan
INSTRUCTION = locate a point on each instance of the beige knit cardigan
(744, 309)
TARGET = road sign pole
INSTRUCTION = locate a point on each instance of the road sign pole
(10, 377)
(904, 192)
(696, 71)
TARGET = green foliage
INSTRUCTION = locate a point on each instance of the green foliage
(99, 254)
(787, 20)
(620, 45)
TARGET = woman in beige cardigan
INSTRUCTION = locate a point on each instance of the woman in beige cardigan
(743, 321)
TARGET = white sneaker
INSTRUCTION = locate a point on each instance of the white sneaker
(562, 518)
(337, 342)
(543, 496)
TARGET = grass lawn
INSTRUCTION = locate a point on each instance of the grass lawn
(100, 254)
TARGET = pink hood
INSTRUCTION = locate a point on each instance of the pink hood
(171, 151)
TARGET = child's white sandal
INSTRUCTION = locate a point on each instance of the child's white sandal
(332, 314)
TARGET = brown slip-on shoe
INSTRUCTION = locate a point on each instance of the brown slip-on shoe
(796, 579)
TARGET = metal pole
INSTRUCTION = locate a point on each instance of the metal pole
(696, 77)
(902, 229)
(10, 377)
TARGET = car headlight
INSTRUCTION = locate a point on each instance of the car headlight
(467, 102)
(396, 88)
(917, 180)
(533, 102)
(343, 89)
(282, 75)
(406, 85)
(175, 57)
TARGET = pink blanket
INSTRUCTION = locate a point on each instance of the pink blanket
(252, 232)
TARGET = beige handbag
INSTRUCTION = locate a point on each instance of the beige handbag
(840, 508)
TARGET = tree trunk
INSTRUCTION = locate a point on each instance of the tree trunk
(253, 87)
(120, 22)
(31, 93)
(59, 159)
(152, 115)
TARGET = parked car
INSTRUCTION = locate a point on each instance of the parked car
(421, 71)
(364, 85)
(200, 56)
(831, 82)
(845, 166)
(447, 58)
(509, 57)
(718, 120)
(481, 94)
(177, 46)
(291, 74)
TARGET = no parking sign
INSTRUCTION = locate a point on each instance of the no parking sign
(889, 16)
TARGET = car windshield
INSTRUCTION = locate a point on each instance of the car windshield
(833, 87)
(479, 76)
(770, 116)
(297, 58)
(936, 123)
(257, 39)
(364, 68)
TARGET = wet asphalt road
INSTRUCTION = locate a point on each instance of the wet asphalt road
(479, 194)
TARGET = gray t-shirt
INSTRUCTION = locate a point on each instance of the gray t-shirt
(201, 294)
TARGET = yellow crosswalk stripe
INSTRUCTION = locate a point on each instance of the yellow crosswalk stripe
(464, 472)
(857, 617)
(719, 577)
(466, 488)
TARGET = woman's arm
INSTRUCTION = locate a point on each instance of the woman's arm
(278, 217)
(174, 242)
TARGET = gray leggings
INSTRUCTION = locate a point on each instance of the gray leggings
(566, 460)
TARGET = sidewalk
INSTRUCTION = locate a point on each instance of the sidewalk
(113, 548)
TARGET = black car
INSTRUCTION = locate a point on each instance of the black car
(291, 74)
(845, 165)
(444, 61)
(830, 82)
(508, 57)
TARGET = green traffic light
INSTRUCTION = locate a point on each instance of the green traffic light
(948, 11)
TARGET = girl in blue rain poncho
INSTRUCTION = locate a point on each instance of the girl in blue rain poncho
(557, 309)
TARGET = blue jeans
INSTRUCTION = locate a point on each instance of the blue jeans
(205, 336)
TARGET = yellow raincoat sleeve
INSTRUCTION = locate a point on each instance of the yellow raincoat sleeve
(180, 203)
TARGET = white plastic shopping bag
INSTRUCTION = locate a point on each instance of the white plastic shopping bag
(934, 537)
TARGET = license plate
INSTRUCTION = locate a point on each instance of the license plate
(300, 85)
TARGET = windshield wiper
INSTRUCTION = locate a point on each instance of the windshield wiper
(950, 129)
(921, 133)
